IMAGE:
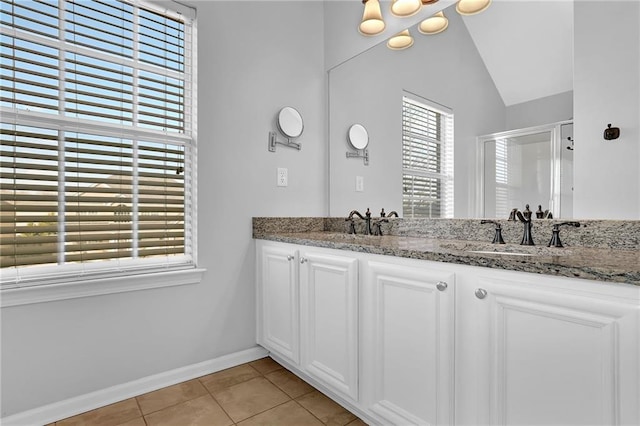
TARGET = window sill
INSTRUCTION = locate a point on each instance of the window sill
(98, 287)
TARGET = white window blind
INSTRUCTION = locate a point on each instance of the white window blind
(427, 160)
(502, 178)
(97, 138)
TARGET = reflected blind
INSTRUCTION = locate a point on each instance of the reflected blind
(96, 135)
(427, 160)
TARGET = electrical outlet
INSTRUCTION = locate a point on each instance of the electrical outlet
(359, 183)
(283, 177)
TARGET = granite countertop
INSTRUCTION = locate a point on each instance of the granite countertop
(594, 263)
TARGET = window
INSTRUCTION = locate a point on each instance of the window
(97, 138)
(427, 160)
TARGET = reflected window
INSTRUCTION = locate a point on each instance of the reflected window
(427, 159)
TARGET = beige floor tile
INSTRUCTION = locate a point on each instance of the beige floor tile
(357, 422)
(287, 414)
(249, 398)
(135, 422)
(196, 412)
(111, 415)
(289, 383)
(172, 395)
(229, 377)
(265, 365)
(325, 409)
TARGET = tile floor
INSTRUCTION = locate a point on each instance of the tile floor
(261, 393)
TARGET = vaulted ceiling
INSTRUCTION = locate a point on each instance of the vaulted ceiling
(527, 47)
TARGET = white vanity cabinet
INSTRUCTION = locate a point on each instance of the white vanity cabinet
(407, 342)
(329, 319)
(308, 312)
(278, 317)
(540, 350)
(377, 334)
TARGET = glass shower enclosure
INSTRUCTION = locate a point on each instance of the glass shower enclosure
(531, 166)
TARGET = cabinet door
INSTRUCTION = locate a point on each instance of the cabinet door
(329, 320)
(278, 299)
(553, 356)
(408, 318)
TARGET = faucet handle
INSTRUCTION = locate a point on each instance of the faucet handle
(352, 226)
(555, 233)
(377, 226)
(497, 237)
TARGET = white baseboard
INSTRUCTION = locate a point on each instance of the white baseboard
(80, 404)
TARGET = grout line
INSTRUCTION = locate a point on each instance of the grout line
(140, 408)
(218, 402)
(257, 414)
(174, 403)
(306, 409)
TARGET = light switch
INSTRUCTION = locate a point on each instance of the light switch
(359, 183)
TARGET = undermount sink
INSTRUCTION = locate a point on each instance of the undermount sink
(514, 250)
(506, 253)
(338, 237)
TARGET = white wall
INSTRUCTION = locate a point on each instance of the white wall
(606, 90)
(254, 58)
(446, 69)
(549, 109)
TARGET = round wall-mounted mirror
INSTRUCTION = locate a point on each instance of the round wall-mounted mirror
(358, 136)
(290, 122)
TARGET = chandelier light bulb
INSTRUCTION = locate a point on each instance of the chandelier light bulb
(372, 23)
(400, 41)
(471, 7)
(404, 8)
(434, 24)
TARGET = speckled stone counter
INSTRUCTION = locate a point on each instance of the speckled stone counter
(598, 250)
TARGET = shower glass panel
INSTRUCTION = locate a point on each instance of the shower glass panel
(526, 166)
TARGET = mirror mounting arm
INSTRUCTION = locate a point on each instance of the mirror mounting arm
(360, 153)
(273, 141)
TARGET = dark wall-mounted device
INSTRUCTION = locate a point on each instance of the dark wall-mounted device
(611, 132)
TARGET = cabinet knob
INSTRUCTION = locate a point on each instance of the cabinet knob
(289, 257)
(481, 293)
(303, 259)
(441, 285)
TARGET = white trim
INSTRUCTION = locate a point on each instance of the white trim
(65, 123)
(98, 286)
(90, 401)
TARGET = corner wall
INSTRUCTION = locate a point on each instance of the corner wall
(549, 109)
(606, 90)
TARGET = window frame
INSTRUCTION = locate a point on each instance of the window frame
(445, 176)
(39, 283)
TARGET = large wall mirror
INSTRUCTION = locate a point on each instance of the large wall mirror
(481, 83)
